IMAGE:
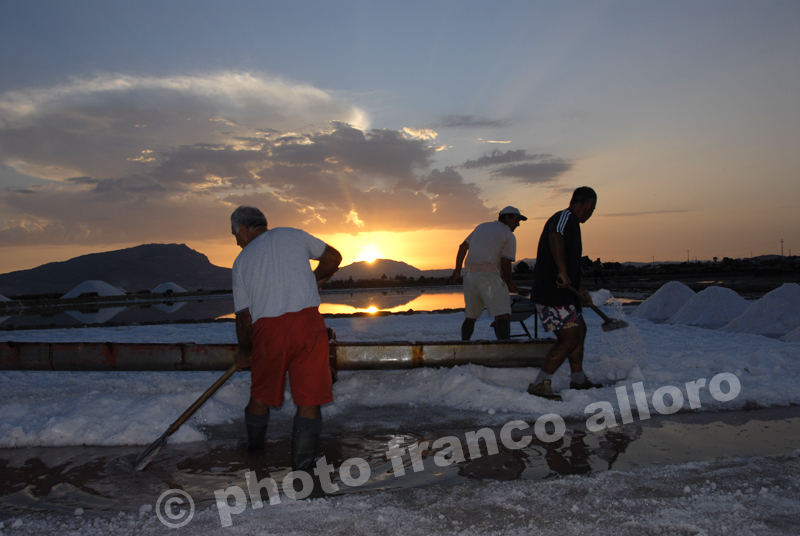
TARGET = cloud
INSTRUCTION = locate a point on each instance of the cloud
(519, 165)
(133, 159)
(499, 157)
(534, 172)
(471, 121)
(645, 213)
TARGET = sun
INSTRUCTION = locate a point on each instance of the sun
(369, 253)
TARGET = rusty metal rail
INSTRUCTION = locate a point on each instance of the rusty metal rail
(344, 355)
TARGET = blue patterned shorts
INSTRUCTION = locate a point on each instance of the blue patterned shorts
(557, 317)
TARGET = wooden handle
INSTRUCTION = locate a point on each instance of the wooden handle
(200, 401)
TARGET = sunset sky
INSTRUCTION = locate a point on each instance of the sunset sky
(390, 129)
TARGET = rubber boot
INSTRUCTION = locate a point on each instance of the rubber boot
(502, 328)
(467, 327)
(305, 437)
(256, 430)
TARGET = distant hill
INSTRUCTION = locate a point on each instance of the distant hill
(376, 270)
(133, 269)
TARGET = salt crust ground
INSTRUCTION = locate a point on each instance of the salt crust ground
(754, 496)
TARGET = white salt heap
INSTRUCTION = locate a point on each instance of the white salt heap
(775, 314)
(665, 302)
(710, 308)
(94, 286)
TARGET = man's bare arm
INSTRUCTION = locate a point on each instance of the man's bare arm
(328, 264)
(505, 273)
(462, 253)
(558, 249)
(244, 334)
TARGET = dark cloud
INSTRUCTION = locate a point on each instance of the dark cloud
(470, 121)
(534, 172)
(497, 157)
(645, 213)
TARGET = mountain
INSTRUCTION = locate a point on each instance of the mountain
(376, 270)
(133, 269)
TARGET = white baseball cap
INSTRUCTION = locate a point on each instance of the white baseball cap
(512, 210)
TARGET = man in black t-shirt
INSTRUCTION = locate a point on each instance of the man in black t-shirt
(557, 276)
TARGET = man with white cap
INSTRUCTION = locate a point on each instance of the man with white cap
(492, 248)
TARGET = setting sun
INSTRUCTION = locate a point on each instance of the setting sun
(369, 253)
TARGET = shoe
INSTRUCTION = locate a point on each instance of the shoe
(544, 390)
(585, 384)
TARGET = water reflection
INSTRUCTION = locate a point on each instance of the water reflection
(391, 301)
(219, 307)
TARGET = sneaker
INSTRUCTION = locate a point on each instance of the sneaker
(544, 390)
(585, 384)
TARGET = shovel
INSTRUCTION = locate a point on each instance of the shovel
(150, 452)
(609, 324)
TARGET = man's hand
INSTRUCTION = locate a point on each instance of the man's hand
(513, 288)
(562, 280)
(455, 276)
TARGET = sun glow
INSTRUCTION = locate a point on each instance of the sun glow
(370, 253)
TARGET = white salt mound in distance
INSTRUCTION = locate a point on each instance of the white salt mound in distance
(665, 302)
(94, 286)
(3, 298)
(711, 308)
(775, 314)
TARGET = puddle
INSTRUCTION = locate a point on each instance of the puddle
(102, 479)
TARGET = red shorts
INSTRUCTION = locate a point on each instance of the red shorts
(297, 343)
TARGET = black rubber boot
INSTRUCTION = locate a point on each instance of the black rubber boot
(305, 438)
(502, 328)
(256, 430)
(467, 327)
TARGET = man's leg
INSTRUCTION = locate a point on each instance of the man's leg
(305, 437)
(578, 379)
(576, 356)
(502, 327)
(567, 340)
(467, 327)
(256, 418)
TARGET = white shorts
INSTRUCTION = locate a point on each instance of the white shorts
(485, 290)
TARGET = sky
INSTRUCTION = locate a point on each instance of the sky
(391, 129)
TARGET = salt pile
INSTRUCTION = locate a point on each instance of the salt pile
(601, 297)
(94, 286)
(3, 298)
(665, 302)
(776, 314)
(710, 308)
(169, 286)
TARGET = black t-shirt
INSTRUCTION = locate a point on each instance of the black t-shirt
(545, 291)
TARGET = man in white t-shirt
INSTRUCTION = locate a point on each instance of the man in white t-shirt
(492, 248)
(279, 328)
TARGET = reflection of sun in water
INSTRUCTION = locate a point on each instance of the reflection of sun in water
(370, 253)
(372, 309)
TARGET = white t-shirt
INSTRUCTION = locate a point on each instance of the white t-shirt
(488, 243)
(272, 275)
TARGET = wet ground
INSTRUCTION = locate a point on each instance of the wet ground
(102, 479)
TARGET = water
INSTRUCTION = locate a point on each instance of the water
(220, 307)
